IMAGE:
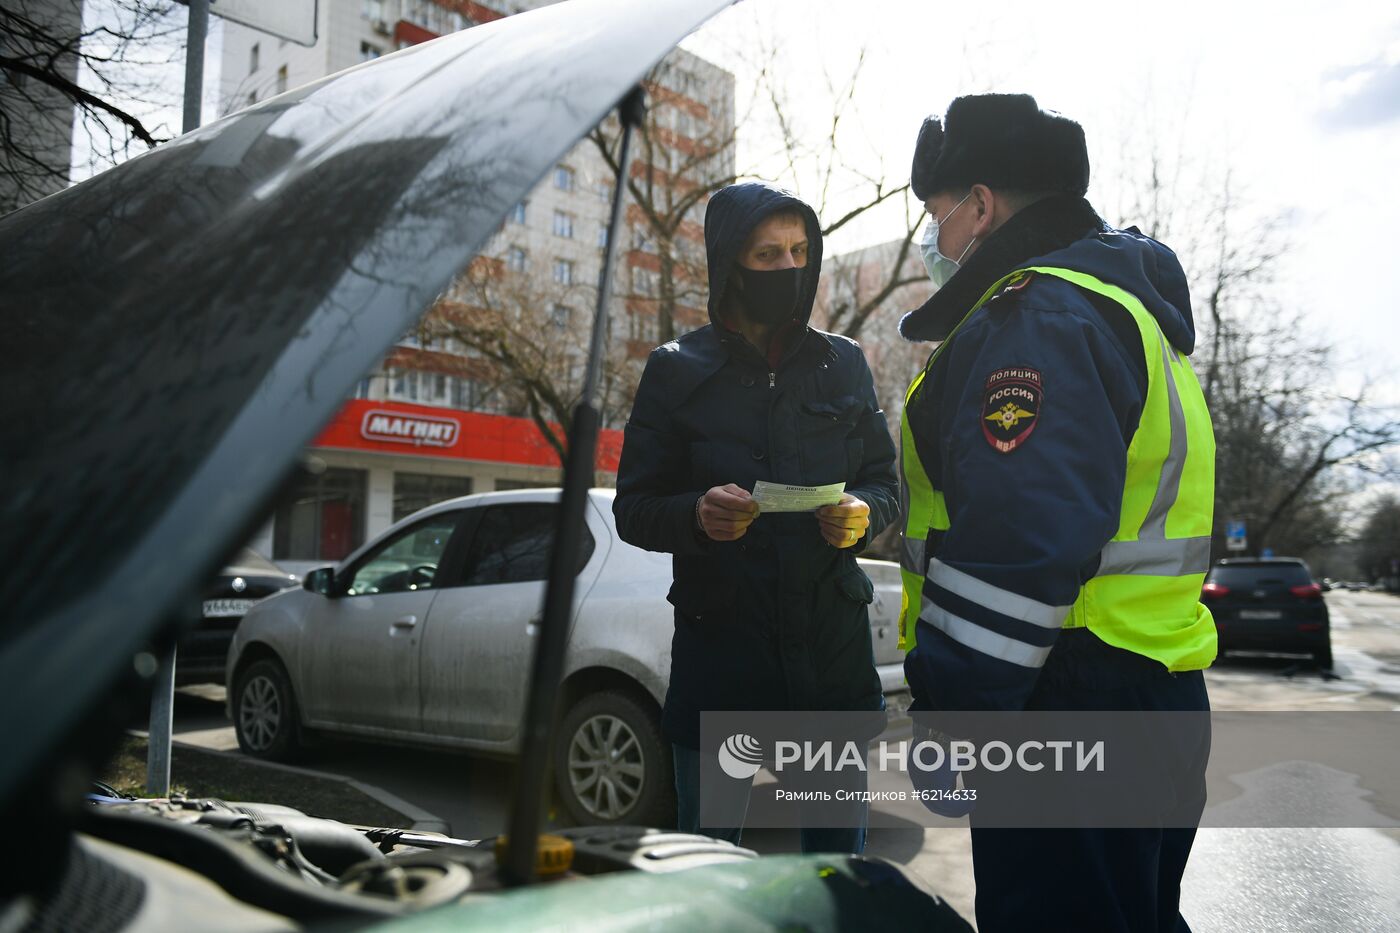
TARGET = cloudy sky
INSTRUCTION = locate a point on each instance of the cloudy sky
(1298, 104)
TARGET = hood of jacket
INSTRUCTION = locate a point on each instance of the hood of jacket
(1065, 231)
(731, 216)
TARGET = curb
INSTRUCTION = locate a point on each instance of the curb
(423, 821)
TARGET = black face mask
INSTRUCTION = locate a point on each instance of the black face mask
(769, 297)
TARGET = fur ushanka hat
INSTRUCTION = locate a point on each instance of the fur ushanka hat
(1002, 141)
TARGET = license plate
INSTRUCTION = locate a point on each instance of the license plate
(223, 608)
(1260, 614)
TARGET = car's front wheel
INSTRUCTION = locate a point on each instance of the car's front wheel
(265, 712)
(611, 764)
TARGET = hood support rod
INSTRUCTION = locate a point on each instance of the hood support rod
(547, 669)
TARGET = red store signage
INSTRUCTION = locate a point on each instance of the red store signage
(425, 431)
(400, 428)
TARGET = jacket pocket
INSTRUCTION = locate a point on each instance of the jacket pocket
(845, 409)
(855, 585)
(825, 427)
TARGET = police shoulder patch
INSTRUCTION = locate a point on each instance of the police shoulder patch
(1011, 407)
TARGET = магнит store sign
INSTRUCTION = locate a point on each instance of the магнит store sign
(408, 430)
(400, 428)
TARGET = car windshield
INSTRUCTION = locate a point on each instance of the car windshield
(249, 559)
(1244, 576)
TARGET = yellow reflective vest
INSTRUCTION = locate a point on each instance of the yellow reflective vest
(1145, 595)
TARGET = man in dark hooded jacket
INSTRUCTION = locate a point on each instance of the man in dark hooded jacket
(1058, 479)
(770, 610)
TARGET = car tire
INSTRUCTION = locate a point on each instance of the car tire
(265, 717)
(611, 765)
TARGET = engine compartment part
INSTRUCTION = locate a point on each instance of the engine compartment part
(105, 888)
(260, 864)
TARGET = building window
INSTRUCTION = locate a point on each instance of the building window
(563, 272)
(466, 393)
(516, 259)
(440, 386)
(323, 519)
(604, 190)
(602, 236)
(253, 58)
(282, 80)
(372, 10)
(362, 390)
(563, 178)
(644, 282)
(471, 395)
(563, 224)
(406, 385)
(517, 213)
(560, 315)
(642, 327)
(414, 491)
(369, 51)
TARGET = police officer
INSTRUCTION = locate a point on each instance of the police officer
(1057, 464)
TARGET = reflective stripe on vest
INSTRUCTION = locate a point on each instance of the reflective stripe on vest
(1145, 595)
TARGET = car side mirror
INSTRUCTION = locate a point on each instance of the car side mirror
(321, 580)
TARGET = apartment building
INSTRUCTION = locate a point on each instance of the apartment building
(38, 118)
(851, 283)
(440, 416)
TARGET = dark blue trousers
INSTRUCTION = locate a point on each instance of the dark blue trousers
(1090, 880)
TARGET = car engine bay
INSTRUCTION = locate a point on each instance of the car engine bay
(142, 864)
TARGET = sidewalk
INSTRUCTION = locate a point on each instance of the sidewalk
(211, 743)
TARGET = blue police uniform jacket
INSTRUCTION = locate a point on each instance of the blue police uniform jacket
(1032, 519)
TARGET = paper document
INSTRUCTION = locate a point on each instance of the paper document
(777, 497)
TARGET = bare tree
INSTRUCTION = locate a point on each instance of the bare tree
(527, 341)
(107, 71)
(1380, 543)
(1291, 444)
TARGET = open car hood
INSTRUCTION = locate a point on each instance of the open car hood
(180, 327)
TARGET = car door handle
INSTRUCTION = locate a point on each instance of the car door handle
(406, 622)
(532, 628)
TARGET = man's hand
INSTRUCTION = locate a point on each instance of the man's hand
(726, 512)
(844, 523)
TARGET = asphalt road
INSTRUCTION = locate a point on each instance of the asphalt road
(1239, 880)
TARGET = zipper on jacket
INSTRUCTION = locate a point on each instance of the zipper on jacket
(772, 380)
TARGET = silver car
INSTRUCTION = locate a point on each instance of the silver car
(424, 635)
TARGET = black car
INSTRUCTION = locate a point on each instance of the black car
(1268, 604)
(227, 598)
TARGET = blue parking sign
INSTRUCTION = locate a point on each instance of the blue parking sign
(1235, 535)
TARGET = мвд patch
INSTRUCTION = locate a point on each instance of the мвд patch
(1011, 407)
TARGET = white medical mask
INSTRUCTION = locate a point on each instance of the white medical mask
(941, 268)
